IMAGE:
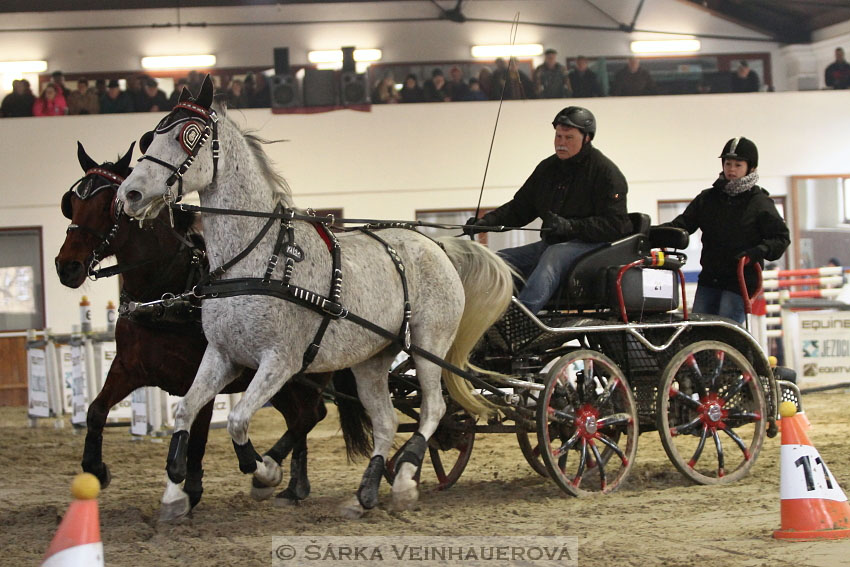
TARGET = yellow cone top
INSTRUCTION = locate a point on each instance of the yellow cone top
(85, 487)
(787, 409)
(772, 361)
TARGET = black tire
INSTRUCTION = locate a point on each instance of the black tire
(706, 388)
(586, 404)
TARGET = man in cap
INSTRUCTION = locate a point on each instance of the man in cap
(581, 196)
(114, 100)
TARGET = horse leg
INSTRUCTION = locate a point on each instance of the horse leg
(270, 377)
(293, 401)
(197, 447)
(374, 393)
(116, 387)
(215, 372)
(405, 491)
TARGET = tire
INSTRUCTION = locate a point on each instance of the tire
(587, 425)
(707, 388)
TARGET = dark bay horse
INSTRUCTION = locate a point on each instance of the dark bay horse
(162, 346)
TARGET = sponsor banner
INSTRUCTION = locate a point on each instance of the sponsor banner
(139, 407)
(39, 402)
(221, 408)
(79, 388)
(824, 347)
(123, 410)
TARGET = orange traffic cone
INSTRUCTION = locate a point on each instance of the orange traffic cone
(813, 505)
(77, 541)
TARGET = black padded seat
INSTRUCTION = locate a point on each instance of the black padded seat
(668, 237)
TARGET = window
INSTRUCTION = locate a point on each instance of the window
(494, 240)
(21, 279)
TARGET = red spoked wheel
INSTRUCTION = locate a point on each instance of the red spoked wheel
(529, 446)
(711, 413)
(587, 426)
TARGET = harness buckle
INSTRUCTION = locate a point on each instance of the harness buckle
(334, 310)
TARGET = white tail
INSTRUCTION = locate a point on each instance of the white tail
(488, 286)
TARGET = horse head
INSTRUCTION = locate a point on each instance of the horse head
(98, 227)
(180, 156)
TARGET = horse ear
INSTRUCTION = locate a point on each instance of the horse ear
(85, 161)
(185, 95)
(205, 97)
(124, 163)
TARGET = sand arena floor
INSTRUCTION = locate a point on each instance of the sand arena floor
(656, 518)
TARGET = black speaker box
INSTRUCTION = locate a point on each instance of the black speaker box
(348, 64)
(319, 87)
(353, 88)
(283, 90)
(281, 60)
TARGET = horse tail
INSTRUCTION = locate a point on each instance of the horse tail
(488, 286)
(353, 419)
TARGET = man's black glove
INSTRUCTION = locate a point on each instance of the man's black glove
(755, 254)
(469, 228)
(559, 228)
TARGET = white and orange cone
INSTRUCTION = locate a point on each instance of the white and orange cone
(813, 505)
(77, 541)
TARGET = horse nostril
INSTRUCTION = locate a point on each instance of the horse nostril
(133, 196)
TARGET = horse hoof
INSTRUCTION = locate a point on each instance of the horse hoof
(268, 473)
(174, 505)
(105, 477)
(404, 500)
(352, 510)
(287, 498)
(260, 493)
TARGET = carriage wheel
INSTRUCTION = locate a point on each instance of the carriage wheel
(531, 451)
(449, 449)
(711, 394)
(587, 424)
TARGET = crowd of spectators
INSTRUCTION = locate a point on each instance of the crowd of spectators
(506, 80)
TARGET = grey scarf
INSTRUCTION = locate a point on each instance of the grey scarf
(738, 186)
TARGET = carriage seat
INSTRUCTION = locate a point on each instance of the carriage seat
(591, 284)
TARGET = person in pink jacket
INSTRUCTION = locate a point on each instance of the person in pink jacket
(50, 103)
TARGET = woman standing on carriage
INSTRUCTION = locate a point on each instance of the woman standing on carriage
(737, 218)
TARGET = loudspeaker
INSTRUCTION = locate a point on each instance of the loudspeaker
(319, 87)
(283, 91)
(281, 60)
(348, 60)
(353, 88)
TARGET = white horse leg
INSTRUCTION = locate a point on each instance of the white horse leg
(374, 394)
(271, 375)
(405, 491)
(214, 373)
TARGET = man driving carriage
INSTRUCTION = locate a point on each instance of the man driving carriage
(581, 197)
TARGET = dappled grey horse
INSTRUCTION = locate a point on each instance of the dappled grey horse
(267, 304)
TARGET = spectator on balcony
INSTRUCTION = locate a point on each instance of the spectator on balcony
(154, 99)
(485, 81)
(83, 100)
(508, 79)
(550, 77)
(458, 89)
(436, 89)
(632, 80)
(115, 101)
(475, 92)
(384, 91)
(745, 80)
(99, 87)
(837, 74)
(259, 95)
(411, 91)
(58, 80)
(583, 81)
(235, 97)
(135, 91)
(50, 103)
(183, 83)
(19, 102)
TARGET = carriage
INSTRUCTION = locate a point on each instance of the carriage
(611, 357)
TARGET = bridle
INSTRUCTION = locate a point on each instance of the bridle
(85, 191)
(197, 127)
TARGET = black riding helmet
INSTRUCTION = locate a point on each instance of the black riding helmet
(576, 117)
(741, 149)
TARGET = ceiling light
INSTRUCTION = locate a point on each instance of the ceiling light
(178, 62)
(517, 50)
(666, 46)
(335, 56)
(23, 66)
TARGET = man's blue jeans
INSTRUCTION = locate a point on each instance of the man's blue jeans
(544, 266)
(715, 301)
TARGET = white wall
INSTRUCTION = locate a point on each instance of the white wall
(396, 159)
(308, 27)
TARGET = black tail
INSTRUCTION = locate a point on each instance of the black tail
(355, 423)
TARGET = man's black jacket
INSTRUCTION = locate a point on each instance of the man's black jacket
(588, 189)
